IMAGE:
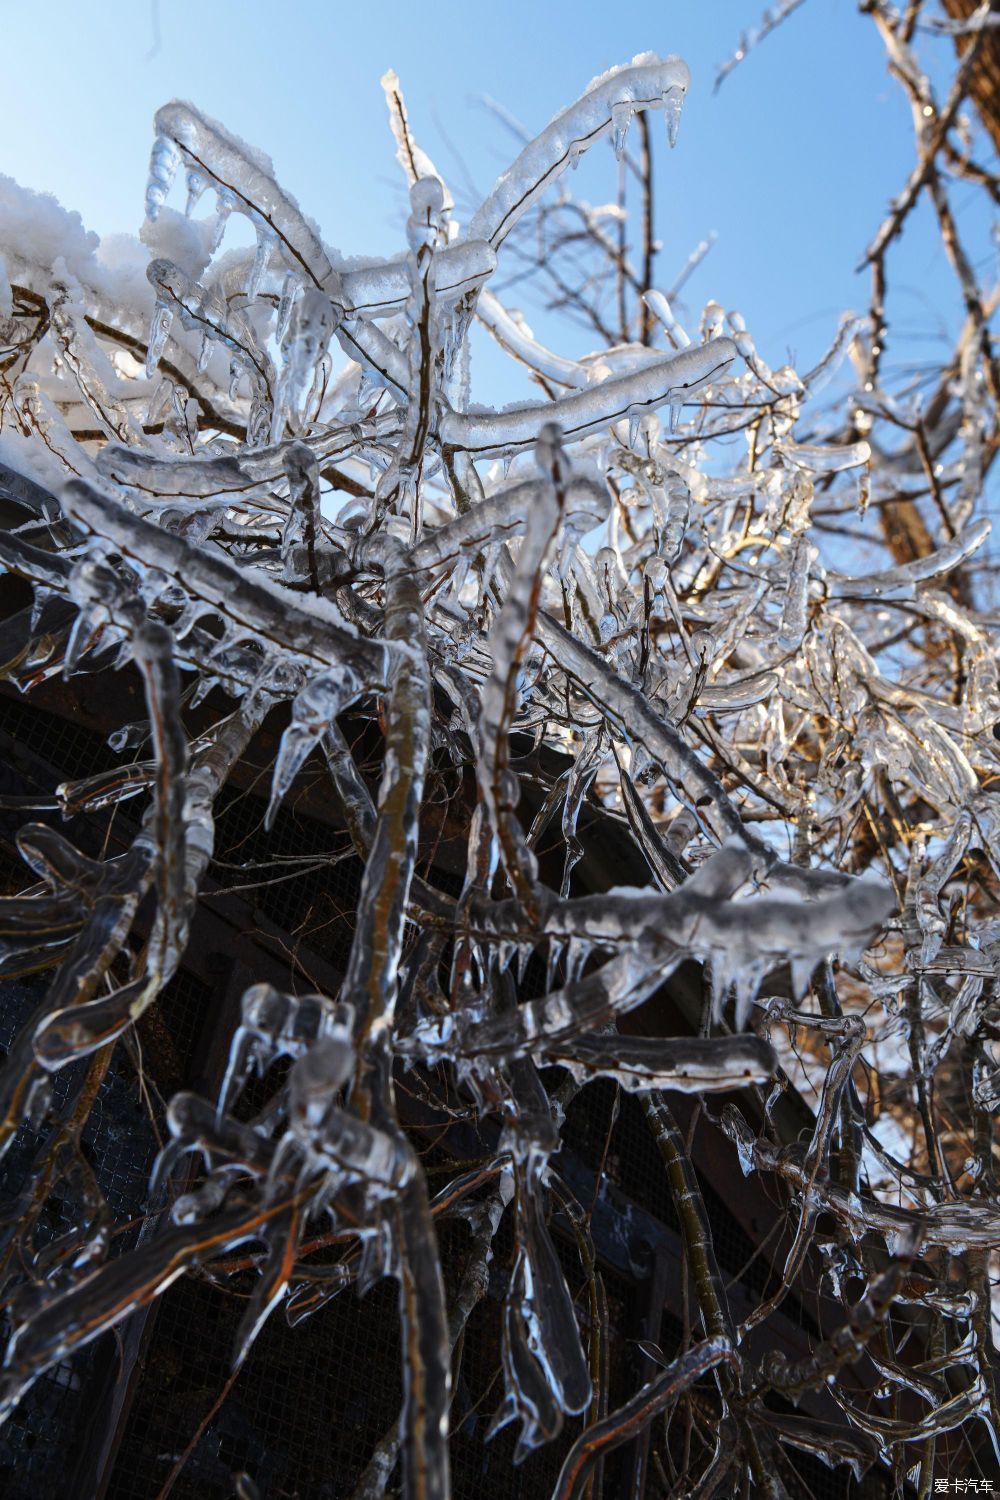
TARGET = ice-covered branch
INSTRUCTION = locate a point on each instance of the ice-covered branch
(704, 693)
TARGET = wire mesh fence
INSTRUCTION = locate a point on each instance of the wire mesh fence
(307, 1409)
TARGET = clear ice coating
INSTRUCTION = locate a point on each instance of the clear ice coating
(634, 603)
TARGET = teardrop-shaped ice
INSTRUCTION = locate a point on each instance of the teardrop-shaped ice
(164, 160)
(159, 328)
(289, 291)
(673, 101)
(265, 244)
(197, 182)
(621, 119)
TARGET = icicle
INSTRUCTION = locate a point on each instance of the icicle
(163, 163)
(289, 291)
(266, 243)
(224, 205)
(315, 708)
(673, 101)
(795, 610)
(312, 322)
(159, 330)
(660, 307)
(197, 182)
(621, 118)
(159, 402)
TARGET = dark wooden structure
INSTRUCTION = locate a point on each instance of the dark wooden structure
(306, 1411)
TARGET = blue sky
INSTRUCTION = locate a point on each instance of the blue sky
(792, 163)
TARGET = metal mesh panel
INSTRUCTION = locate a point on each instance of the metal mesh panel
(44, 1438)
(287, 1421)
(312, 1401)
(315, 903)
(41, 1441)
(632, 1162)
(61, 742)
(805, 1477)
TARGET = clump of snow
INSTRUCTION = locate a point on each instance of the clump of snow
(185, 241)
(35, 230)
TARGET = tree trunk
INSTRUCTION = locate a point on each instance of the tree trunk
(984, 88)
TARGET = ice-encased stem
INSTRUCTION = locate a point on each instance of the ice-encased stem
(592, 410)
(226, 162)
(370, 982)
(320, 635)
(636, 1414)
(849, 1341)
(508, 644)
(645, 84)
